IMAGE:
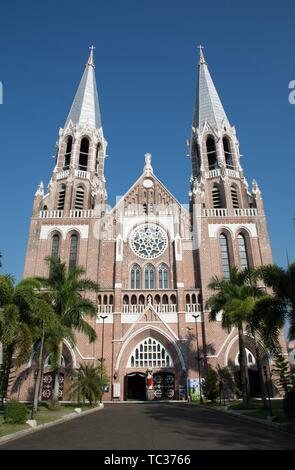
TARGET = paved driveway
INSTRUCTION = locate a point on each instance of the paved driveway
(154, 426)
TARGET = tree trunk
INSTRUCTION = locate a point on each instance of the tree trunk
(6, 368)
(260, 372)
(38, 380)
(243, 366)
(55, 392)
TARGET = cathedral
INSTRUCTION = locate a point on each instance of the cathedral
(151, 257)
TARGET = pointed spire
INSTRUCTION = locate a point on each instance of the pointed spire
(40, 189)
(85, 107)
(208, 104)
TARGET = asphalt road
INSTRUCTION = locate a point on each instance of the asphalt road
(155, 426)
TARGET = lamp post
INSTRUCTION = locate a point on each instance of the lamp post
(35, 377)
(267, 387)
(198, 356)
(103, 317)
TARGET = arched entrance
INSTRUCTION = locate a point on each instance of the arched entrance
(135, 386)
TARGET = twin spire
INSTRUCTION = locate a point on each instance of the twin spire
(208, 106)
(85, 108)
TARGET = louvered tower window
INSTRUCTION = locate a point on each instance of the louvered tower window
(61, 198)
(243, 252)
(235, 197)
(211, 153)
(224, 255)
(83, 157)
(216, 199)
(79, 201)
(68, 153)
(227, 152)
(73, 251)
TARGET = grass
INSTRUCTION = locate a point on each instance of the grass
(44, 415)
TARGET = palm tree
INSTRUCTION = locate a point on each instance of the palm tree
(236, 298)
(17, 325)
(282, 300)
(88, 383)
(65, 289)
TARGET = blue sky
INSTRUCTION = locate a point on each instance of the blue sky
(146, 67)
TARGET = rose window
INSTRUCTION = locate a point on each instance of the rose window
(148, 241)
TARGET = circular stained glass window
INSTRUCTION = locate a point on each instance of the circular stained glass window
(148, 241)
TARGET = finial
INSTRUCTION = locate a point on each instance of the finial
(148, 169)
(255, 187)
(40, 189)
(91, 58)
(202, 58)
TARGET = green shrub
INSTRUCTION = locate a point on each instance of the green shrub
(289, 404)
(210, 385)
(15, 412)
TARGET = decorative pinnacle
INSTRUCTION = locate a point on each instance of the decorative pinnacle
(91, 58)
(148, 169)
(202, 58)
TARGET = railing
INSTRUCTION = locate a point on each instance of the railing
(82, 174)
(165, 308)
(63, 174)
(72, 214)
(104, 309)
(230, 213)
(216, 172)
(213, 173)
(192, 308)
(232, 173)
(215, 212)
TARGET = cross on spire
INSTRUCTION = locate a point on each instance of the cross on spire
(202, 58)
(91, 58)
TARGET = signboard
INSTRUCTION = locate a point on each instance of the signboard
(116, 390)
(193, 389)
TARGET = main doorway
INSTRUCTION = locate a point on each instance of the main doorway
(135, 386)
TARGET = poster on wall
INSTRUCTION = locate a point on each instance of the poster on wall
(193, 389)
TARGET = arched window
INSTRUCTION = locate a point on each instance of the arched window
(79, 201)
(224, 255)
(163, 276)
(68, 153)
(135, 277)
(84, 151)
(211, 153)
(61, 198)
(227, 152)
(243, 252)
(73, 251)
(150, 353)
(149, 277)
(234, 197)
(55, 246)
(216, 199)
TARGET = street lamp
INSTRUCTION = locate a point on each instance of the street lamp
(103, 317)
(198, 355)
(267, 387)
(35, 377)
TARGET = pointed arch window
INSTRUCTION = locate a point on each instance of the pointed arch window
(55, 246)
(243, 252)
(73, 251)
(163, 276)
(216, 198)
(211, 153)
(68, 153)
(234, 197)
(135, 277)
(149, 277)
(223, 242)
(227, 152)
(150, 353)
(61, 198)
(79, 200)
(84, 151)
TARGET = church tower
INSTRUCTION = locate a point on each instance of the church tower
(76, 196)
(230, 227)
